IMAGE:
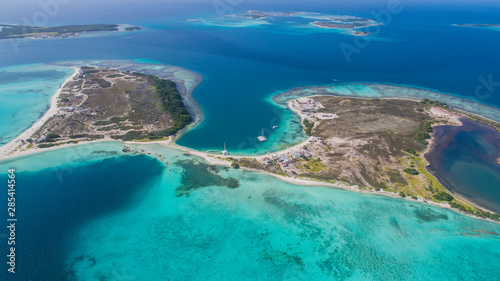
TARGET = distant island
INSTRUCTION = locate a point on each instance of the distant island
(348, 23)
(264, 14)
(323, 21)
(36, 32)
(478, 25)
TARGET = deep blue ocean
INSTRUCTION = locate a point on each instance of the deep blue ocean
(92, 213)
(119, 219)
(64, 198)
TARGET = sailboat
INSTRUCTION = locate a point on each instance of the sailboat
(225, 152)
(262, 138)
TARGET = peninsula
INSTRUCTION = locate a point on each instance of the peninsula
(36, 32)
(101, 103)
(375, 145)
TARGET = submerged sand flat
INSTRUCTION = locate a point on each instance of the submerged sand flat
(263, 229)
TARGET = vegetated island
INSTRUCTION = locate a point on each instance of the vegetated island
(100, 103)
(368, 144)
(343, 22)
(323, 21)
(349, 23)
(36, 32)
(478, 25)
(254, 14)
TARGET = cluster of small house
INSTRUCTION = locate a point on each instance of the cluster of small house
(318, 140)
(81, 75)
(72, 109)
(75, 90)
(308, 107)
(39, 140)
(50, 36)
(68, 108)
(286, 159)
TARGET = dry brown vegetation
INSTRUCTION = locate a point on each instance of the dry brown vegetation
(365, 145)
(107, 102)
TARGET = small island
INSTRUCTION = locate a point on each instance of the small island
(480, 25)
(101, 103)
(477, 25)
(345, 24)
(36, 32)
(348, 23)
(264, 14)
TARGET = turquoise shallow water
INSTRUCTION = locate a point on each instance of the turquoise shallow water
(25, 92)
(263, 229)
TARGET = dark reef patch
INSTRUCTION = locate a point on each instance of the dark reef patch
(197, 175)
(428, 215)
(394, 223)
(282, 257)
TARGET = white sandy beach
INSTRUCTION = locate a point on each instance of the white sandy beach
(13, 144)
(219, 160)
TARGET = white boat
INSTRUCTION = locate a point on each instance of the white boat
(225, 152)
(262, 138)
(275, 127)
